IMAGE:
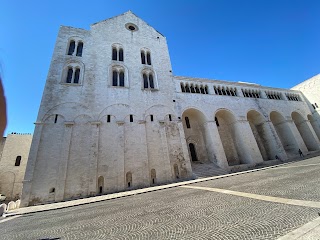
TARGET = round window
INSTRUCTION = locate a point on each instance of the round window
(131, 27)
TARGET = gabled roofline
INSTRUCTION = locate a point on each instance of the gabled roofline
(124, 14)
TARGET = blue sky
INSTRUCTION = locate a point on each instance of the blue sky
(270, 42)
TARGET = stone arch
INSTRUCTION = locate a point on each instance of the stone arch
(284, 132)
(305, 131)
(54, 118)
(262, 134)
(315, 124)
(229, 136)
(73, 110)
(193, 122)
(159, 112)
(119, 110)
(100, 185)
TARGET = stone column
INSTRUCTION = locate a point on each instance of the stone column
(165, 149)
(308, 135)
(120, 153)
(93, 168)
(275, 143)
(63, 164)
(27, 182)
(185, 152)
(297, 136)
(263, 94)
(144, 157)
(214, 145)
(315, 125)
(247, 149)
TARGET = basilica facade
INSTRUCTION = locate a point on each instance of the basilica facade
(113, 117)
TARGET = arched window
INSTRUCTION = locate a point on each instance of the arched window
(18, 161)
(148, 80)
(72, 73)
(75, 45)
(121, 54)
(114, 78)
(69, 75)
(182, 87)
(187, 88)
(118, 76)
(148, 58)
(76, 75)
(79, 49)
(121, 79)
(114, 53)
(145, 57)
(72, 46)
(117, 53)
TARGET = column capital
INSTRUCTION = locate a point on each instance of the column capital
(120, 123)
(142, 121)
(68, 124)
(95, 123)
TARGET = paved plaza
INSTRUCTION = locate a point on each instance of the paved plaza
(265, 204)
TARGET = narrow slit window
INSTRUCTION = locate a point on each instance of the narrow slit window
(121, 76)
(170, 118)
(131, 118)
(114, 54)
(114, 78)
(69, 75)
(121, 54)
(108, 118)
(79, 49)
(72, 46)
(187, 122)
(145, 81)
(18, 161)
(148, 58)
(151, 118)
(76, 76)
(151, 84)
(143, 58)
(56, 118)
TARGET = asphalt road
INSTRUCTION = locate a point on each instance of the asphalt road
(188, 212)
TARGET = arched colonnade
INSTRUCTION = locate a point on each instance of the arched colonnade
(228, 140)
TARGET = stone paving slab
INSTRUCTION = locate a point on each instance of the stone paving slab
(176, 213)
(52, 206)
(300, 180)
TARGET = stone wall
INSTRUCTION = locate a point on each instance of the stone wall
(11, 176)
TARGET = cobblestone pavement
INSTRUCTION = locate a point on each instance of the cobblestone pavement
(185, 213)
(299, 180)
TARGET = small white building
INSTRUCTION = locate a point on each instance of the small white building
(14, 151)
(114, 118)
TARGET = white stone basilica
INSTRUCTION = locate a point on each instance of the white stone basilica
(114, 118)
